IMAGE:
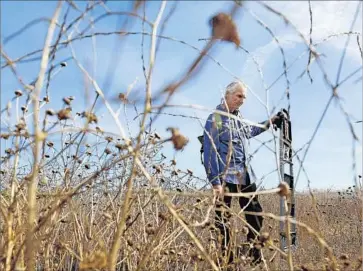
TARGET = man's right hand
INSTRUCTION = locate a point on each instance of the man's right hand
(218, 191)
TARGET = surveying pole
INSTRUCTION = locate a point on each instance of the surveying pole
(286, 171)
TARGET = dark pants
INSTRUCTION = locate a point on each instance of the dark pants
(222, 217)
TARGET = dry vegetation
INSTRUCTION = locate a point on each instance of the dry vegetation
(92, 200)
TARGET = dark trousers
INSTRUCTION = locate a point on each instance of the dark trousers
(222, 216)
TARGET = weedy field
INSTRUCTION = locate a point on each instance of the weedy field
(79, 234)
(75, 195)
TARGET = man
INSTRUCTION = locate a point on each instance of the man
(226, 162)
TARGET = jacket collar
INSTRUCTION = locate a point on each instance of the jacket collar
(221, 107)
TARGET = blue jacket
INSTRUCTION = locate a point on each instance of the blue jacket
(225, 131)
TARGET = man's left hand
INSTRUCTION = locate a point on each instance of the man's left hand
(274, 120)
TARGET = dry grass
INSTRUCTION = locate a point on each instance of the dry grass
(79, 234)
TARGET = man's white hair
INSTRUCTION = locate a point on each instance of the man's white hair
(232, 87)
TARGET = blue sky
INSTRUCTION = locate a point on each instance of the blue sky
(329, 160)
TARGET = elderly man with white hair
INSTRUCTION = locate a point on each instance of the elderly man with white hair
(226, 163)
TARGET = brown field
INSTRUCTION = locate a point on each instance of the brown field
(81, 233)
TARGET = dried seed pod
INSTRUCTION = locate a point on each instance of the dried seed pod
(18, 93)
(64, 114)
(46, 99)
(123, 97)
(50, 144)
(20, 126)
(99, 130)
(9, 151)
(284, 189)
(190, 172)
(28, 177)
(224, 28)
(120, 147)
(50, 112)
(177, 138)
(157, 135)
(264, 237)
(344, 257)
(157, 168)
(108, 139)
(244, 230)
(5, 136)
(108, 151)
(23, 108)
(173, 162)
(197, 257)
(67, 101)
(304, 268)
(91, 117)
(163, 216)
(150, 230)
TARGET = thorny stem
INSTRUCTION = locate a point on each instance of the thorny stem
(30, 246)
(10, 233)
(117, 239)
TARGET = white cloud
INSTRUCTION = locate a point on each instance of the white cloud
(329, 18)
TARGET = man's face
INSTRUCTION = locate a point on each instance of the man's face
(235, 100)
